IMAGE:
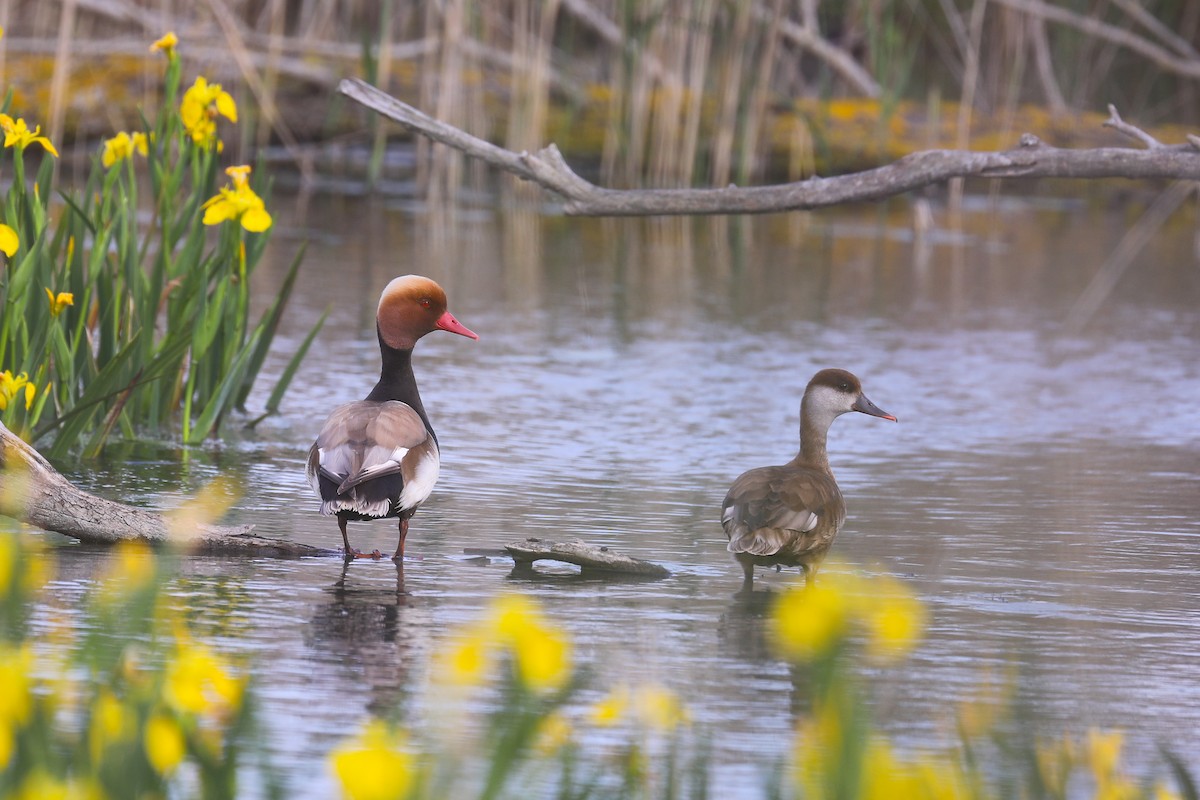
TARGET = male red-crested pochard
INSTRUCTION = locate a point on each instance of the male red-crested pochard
(789, 515)
(378, 457)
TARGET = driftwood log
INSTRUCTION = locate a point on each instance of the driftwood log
(588, 557)
(33, 491)
(1032, 158)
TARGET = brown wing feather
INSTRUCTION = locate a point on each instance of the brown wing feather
(768, 508)
(364, 440)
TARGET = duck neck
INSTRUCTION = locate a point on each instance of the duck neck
(814, 431)
(397, 382)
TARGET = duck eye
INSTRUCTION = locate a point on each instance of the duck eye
(425, 302)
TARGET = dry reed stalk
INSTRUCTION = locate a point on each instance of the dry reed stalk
(610, 151)
(669, 42)
(383, 75)
(1044, 63)
(266, 101)
(275, 16)
(447, 177)
(751, 164)
(700, 47)
(637, 120)
(533, 33)
(59, 80)
(729, 92)
(967, 100)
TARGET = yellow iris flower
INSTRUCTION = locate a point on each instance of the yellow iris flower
(238, 202)
(374, 766)
(18, 135)
(201, 105)
(11, 385)
(166, 44)
(123, 146)
(59, 301)
(542, 653)
(9, 241)
(199, 682)
(164, 743)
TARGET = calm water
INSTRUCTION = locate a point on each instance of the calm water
(1041, 491)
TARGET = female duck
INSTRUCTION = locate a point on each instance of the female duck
(378, 457)
(789, 515)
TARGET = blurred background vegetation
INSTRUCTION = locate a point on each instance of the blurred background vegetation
(647, 92)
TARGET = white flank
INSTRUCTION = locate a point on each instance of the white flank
(420, 485)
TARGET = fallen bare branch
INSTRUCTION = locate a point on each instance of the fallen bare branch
(32, 491)
(1031, 159)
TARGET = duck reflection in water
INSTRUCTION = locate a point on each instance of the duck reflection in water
(365, 628)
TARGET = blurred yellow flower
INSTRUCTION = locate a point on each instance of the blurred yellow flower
(201, 105)
(467, 660)
(541, 652)
(16, 698)
(894, 617)
(167, 44)
(375, 765)
(553, 734)
(610, 710)
(810, 621)
(9, 241)
(110, 723)
(18, 135)
(130, 567)
(199, 682)
(122, 147)
(10, 386)
(164, 743)
(237, 202)
(660, 709)
(59, 301)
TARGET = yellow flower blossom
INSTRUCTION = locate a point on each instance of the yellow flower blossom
(611, 708)
(465, 663)
(553, 734)
(10, 386)
(201, 105)
(541, 652)
(199, 682)
(16, 698)
(166, 44)
(375, 765)
(811, 621)
(238, 202)
(59, 301)
(9, 241)
(895, 619)
(18, 135)
(111, 723)
(8, 563)
(122, 147)
(130, 568)
(660, 708)
(164, 743)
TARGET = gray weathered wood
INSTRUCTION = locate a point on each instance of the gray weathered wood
(590, 558)
(33, 491)
(1032, 158)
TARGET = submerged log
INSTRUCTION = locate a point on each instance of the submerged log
(586, 556)
(33, 491)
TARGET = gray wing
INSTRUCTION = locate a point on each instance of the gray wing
(365, 440)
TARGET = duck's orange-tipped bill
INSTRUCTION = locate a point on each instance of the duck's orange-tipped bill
(447, 322)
